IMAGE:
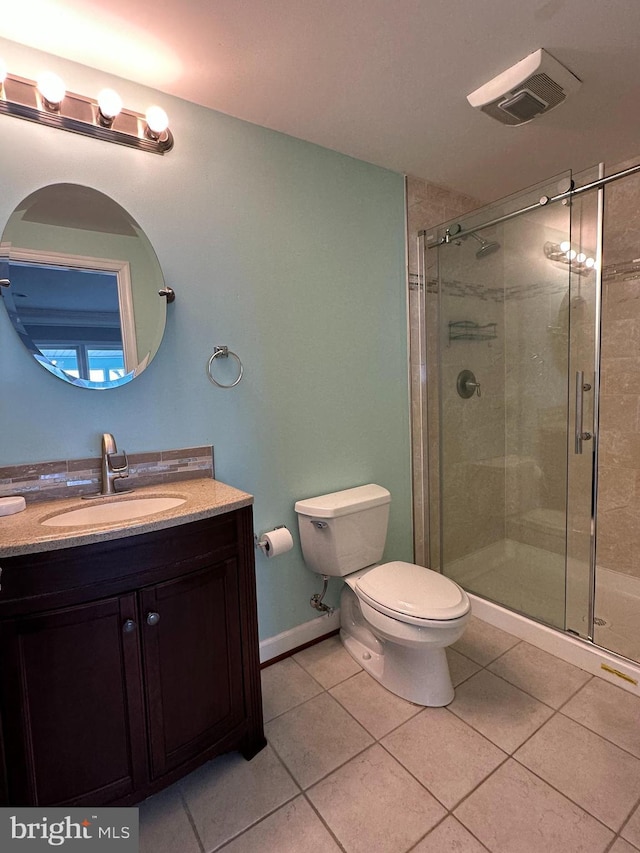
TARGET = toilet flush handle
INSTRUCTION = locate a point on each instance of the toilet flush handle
(319, 525)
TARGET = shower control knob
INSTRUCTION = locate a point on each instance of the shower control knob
(467, 385)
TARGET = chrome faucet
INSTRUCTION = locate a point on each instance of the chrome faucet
(110, 471)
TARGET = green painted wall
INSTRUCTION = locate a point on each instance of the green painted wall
(290, 254)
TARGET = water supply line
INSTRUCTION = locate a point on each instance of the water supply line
(316, 599)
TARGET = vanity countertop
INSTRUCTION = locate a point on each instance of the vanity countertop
(24, 533)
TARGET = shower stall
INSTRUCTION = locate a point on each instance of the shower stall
(525, 350)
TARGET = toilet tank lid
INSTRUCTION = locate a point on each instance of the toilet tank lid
(344, 502)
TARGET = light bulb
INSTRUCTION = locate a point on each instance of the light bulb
(3, 72)
(52, 88)
(571, 254)
(109, 103)
(590, 262)
(157, 120)
(581, 257)
(565, 246)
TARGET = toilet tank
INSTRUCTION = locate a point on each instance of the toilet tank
(344, 531)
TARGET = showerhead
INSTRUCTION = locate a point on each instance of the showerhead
(486, 248)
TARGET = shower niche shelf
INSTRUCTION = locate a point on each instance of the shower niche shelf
(467, 330)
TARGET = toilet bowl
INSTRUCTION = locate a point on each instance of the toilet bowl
(396, 618)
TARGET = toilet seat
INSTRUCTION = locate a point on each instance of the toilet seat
(412, 594)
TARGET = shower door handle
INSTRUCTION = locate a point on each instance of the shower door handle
(581, 435)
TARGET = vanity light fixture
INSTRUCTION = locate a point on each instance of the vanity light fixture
(565, 254)
(46, 101)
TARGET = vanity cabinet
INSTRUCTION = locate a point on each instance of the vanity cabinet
(125, 664)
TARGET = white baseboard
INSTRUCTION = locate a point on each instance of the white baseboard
(272, 647)
(593, 659)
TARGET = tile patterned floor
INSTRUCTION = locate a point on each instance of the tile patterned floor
(532, 756)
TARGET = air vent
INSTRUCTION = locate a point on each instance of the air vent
(523, 106)
(532, 87)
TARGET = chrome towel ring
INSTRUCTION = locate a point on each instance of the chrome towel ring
(224, 352)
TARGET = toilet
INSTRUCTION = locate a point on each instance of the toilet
(396, 619)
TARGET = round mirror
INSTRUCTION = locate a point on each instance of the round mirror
(81, 286)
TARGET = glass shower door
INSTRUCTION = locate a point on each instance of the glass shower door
(506, 402)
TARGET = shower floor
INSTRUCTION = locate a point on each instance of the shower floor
(531, 581)
(525, 578)
(618, 609)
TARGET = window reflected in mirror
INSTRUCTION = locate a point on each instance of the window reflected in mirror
(78, 331)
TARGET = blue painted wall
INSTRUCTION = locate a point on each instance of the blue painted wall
(290, 254)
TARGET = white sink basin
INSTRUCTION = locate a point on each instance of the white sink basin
(123, 510)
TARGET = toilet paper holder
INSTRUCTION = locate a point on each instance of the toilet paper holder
(262, 542)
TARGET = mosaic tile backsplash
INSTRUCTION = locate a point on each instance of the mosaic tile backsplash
(45, 481)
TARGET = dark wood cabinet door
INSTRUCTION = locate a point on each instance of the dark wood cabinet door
(72, 706)
(192, 652)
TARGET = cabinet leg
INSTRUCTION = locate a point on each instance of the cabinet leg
(252, 745)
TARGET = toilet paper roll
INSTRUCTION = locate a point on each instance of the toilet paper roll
(276, 542)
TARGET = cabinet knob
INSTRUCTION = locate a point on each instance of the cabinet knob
(153, 618)
(129, 626)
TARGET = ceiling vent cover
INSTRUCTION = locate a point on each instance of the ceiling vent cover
(533, 86)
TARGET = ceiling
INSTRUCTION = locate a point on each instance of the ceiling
(381, 80)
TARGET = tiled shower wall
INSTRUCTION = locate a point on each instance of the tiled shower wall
(472, 431)
(427, 205)
(618, 546)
